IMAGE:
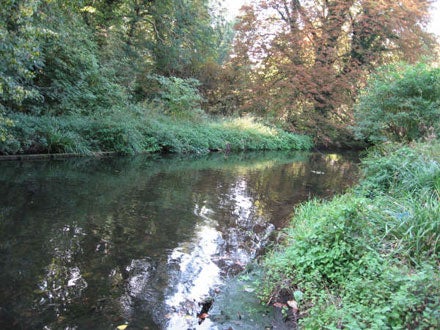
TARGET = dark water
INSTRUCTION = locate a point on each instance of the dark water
(100, 243)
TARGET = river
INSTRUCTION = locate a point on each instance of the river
(143, 241)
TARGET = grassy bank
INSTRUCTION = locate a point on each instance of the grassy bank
(137, 131)
(368, 259)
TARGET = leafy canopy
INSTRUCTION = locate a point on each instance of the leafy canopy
(307, 59)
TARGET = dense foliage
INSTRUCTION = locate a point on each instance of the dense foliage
(368, 259)
(307, 59)
(298, 64)
(121, 76)
(401, 103)
(63, 57)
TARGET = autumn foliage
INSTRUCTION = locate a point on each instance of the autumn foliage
(305, 60)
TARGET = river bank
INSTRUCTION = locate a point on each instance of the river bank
(140, 131)
(368, 258)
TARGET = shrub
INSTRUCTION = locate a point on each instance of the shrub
(400, 103)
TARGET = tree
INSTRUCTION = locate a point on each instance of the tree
(50, 60)
(20, 53)
(171, 38)
(65, 57)
(184, 37)
(72, 79)
(309, 58)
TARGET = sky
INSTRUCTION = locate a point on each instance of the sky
(434, 27)
(435, 22)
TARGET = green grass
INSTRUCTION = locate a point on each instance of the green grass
(368, 259)
(135, 130)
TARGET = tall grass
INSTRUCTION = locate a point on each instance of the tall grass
(136, 130)
(369, 258)
(406, 182)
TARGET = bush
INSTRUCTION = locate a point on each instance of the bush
(400, 103)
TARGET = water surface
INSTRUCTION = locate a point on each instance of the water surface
(98, 243)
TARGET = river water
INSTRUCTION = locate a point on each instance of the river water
(143, 241)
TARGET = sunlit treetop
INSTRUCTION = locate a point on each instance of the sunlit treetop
(313, 54)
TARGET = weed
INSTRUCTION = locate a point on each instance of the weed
(369, 258)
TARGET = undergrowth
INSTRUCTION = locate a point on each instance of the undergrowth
(368, 259)
(136, 130)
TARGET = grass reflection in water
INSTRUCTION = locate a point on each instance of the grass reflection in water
(96, 243)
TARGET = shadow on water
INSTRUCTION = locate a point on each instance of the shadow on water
(98, 243)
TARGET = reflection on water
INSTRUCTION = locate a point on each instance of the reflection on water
(195, 273)
(97, 243)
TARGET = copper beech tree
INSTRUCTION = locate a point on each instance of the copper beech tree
(307, 59)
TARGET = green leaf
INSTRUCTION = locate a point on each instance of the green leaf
(298, 295)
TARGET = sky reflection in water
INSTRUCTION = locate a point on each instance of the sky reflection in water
(98, 243)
